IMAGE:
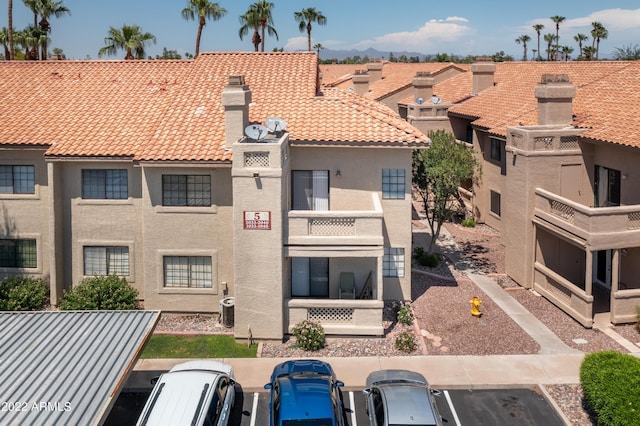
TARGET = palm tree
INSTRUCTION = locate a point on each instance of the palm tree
(251, 20)
(318, 47)
(263, 9)
(566, 52)
(557, 19)
(589, 52)
(203, 9)
(129, 38)
(579, 38)
(549, 38)
(538, 28)
(46, 9)
(523, 39)
(4, 41)
(10, 29)
(305, 17)
(32, 38)
(599, 32)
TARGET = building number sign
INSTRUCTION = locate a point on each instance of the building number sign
(257, 220)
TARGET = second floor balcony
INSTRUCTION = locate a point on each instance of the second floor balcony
(599, 227)
(362, 225)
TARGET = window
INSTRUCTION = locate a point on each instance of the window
(187, 271)
(105, 184)
(498, 154)
(393, 184)
(106, 261)
(607, 192)
(310, 190)
(17, 179)
(186, 190)
(18, 254)
(393, 262)
(495, 202)
(310, 276)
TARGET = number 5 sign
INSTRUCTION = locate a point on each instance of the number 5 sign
(257, 220)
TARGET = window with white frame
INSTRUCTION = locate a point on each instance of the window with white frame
(393, 262)
(17, 179)
(105, 184)
(187, 271)
(18, 253)
(393, 184)
(100, 260)
(186, 190)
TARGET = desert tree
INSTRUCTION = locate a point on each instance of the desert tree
(523, 39)
(538, 28)
(202, 10)
(557, 20)
(305, 18)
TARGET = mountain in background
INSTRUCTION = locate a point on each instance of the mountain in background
(341, 55)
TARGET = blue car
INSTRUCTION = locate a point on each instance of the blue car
(305, 393)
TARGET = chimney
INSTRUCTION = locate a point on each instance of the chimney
(360, 82)
(375, 71)
(423, 85)
(555, 95)
(482, 70)
(236, 97)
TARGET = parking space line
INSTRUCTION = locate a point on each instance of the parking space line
(453, 410)
(254, 409)
(352, 405)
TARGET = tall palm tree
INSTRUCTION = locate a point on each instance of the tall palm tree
(264, 8)
(47, 9)
(557, 19)
(549, 38)
(10, 29)
(566, 52)
(305, 17)
(251, 21)
(599, 32)
(203, 9)
(129, 38)
(32, 39)
(579, 38)
(538, 28)
(523, 39)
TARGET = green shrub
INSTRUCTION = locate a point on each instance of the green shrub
(430, 259)
(309, 335)
(468, 223)
(611, 384)
(418, 252)
(405, 316)
(406, 342)
(23, 294)
(108, 292)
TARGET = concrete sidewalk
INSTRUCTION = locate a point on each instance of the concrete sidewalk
(451, 372)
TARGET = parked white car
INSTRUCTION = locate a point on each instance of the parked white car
(199, 392)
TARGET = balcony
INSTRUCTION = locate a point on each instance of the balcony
(339, 227)
(598, 227)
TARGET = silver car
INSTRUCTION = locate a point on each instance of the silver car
(400, 397)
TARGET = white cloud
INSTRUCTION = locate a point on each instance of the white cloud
(612, 19)
(296, 43)
(427, 38)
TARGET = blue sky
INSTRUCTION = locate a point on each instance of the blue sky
(462, 27)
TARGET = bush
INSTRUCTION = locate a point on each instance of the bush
(23, 294)
(468, 223)
(309, 335)
(406, 342)
(418, 252)
(431, 260)
(405, 316)
(108, 292)
(611, 384)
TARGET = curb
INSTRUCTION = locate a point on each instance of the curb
(547, 396)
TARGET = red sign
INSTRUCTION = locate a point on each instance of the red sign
(257, 220)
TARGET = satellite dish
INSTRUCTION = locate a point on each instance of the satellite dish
(256, 132)
(275, 124)
(419, 101)
(351, 90)
(435, 99)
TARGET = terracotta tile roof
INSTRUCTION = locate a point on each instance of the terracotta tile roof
(395, 76)
(452, 90)
(171, 110)
(512, 100)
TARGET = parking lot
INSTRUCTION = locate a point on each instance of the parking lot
(457, 407)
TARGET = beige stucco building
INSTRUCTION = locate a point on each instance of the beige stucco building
(559, 152)
(145, 169)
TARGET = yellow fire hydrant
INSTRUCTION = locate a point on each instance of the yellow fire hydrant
(475, 306)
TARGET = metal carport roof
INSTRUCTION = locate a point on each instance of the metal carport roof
(67, 368)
